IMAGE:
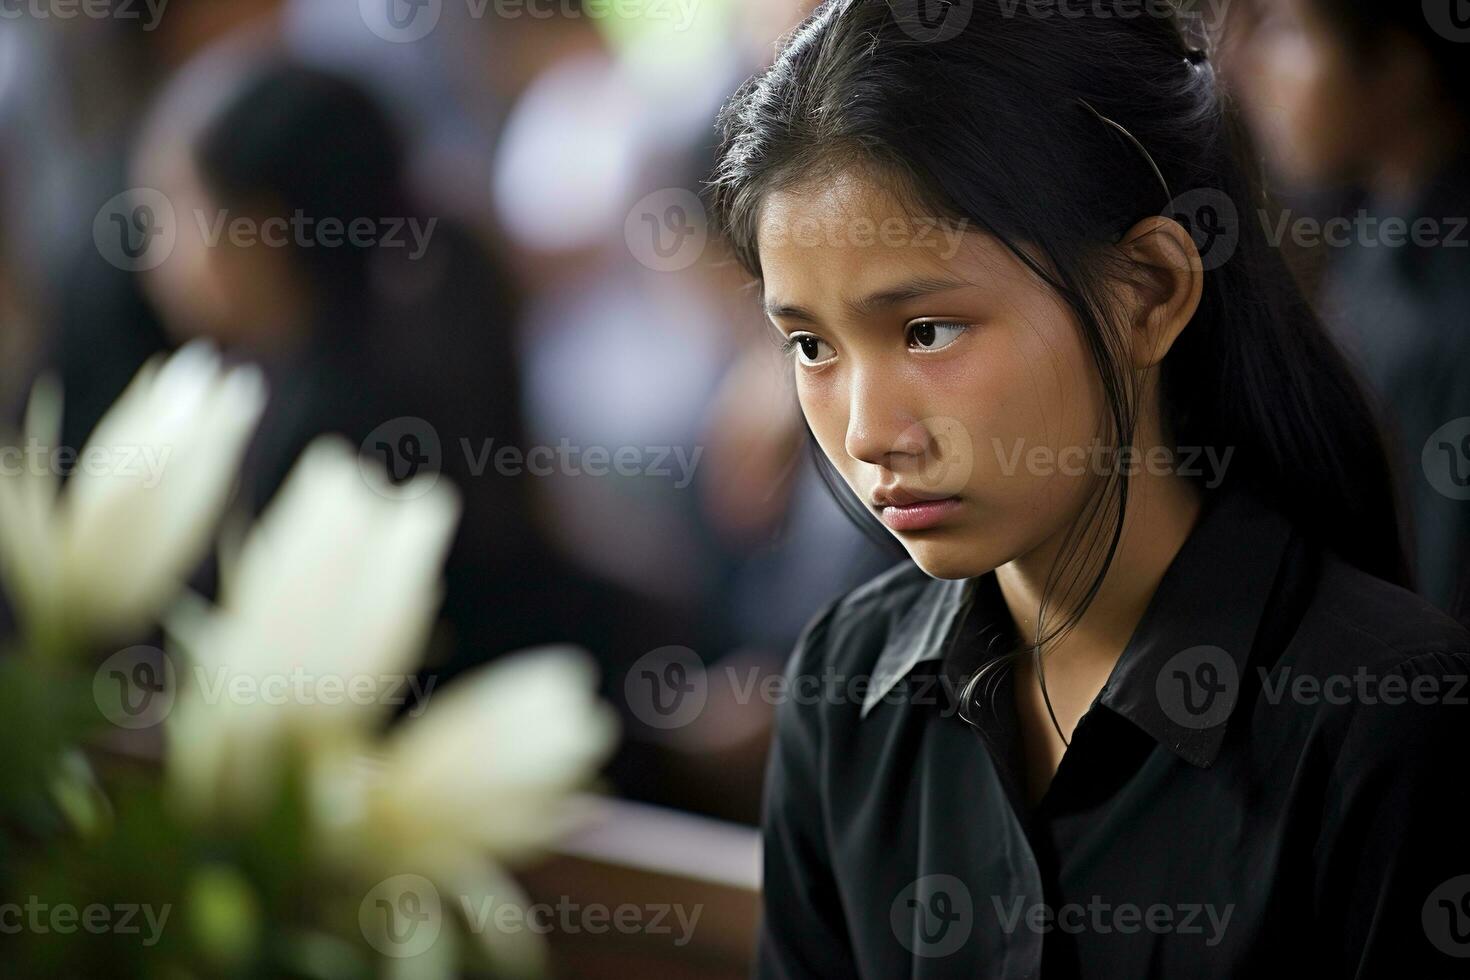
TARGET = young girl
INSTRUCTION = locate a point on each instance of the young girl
(1151, 700)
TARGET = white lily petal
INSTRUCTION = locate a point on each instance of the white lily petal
(327, 606)
(149, 486)
(486, 768)
(30, 535)
(515, 948)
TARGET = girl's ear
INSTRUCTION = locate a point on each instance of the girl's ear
(1166, 289)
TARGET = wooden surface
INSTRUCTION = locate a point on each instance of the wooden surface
(663, 863)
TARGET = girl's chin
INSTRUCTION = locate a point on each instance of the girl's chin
(948, 560)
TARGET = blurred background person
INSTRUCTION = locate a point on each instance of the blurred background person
(538, 145)
(637, 332)
(112, 67)
(403, 342)
(1370, 100)
(396, 335)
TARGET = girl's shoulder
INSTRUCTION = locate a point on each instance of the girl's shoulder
(851, 630)
(1363, 621)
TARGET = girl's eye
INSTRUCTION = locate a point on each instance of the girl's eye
(810, 349)
(931, 336)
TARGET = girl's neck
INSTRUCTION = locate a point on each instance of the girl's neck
(1162, 511)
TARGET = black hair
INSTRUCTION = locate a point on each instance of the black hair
(1003, 119)
(297, 139)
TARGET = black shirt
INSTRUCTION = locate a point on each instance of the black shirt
(1272, 782)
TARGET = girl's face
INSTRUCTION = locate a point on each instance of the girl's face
(933, 366)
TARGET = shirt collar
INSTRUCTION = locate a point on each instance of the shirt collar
(922, 634)
(1180, 674)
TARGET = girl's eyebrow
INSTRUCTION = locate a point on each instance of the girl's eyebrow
(867, 305)
(776, 310)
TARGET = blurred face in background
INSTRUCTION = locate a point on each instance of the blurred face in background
(1311, 107)
(1324, 110)
(932, 367)
(220, 281)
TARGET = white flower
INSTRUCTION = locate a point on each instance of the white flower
(339, 582)
(100, 558)
(321, 620)
(487, 769)
(484, 776)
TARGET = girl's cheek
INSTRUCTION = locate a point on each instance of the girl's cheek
(825, 412)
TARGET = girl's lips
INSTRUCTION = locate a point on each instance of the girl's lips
(919, 516)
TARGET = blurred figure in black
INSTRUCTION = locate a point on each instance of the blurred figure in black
(373, 320)
(1375, 96)
(102, 327)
